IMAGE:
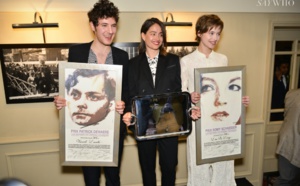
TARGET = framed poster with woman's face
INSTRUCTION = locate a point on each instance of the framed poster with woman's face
(220, 131)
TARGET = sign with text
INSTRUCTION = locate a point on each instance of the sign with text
(89, 125)
(220, 131)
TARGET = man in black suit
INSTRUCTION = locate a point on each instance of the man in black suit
(280, 88)
(103, 20)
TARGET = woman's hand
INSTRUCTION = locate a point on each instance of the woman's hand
(127, 118)
(195, 97)
(120, 106)
(59, 102)
(196, 113)
(246, 100)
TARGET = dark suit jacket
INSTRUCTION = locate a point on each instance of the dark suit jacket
(167, 76)
(80, 53)
(278, 92)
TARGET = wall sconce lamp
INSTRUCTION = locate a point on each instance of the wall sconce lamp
(35, 24)
(173, 23)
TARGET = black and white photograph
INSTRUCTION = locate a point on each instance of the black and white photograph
(179, 48)
(30, 71)
(182, 48)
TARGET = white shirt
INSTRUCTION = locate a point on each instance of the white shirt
(153, 65)
(210, 174)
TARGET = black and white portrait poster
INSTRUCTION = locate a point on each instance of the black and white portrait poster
(89, 122)
(220, 131)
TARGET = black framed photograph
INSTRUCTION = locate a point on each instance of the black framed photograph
(179, 48)
(182, 48)
(30, 71)
(89, 124)
(220, 132)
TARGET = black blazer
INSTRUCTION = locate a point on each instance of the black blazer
(80, 53)
(167, 78)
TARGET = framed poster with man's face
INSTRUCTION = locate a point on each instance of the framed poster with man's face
(89, 124)
(220, 131)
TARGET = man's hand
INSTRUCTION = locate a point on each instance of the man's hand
(59, 102)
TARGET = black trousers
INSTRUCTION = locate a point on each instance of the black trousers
(168, 160)
(112, 174)
(289, 174)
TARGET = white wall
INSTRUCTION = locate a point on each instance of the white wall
(29, 132)
(262, 6)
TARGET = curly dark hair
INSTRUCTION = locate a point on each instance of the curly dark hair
(103, 9)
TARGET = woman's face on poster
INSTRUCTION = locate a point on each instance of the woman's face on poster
(221, 97)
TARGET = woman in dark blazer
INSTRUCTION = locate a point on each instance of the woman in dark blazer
(154, 71)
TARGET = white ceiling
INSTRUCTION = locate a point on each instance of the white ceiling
(45, 5)
(266, 6)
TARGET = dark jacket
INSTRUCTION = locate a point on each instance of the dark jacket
(167, 78)
(80, 53)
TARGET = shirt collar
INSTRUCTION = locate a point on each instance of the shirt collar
(155, 58)
(203, 55)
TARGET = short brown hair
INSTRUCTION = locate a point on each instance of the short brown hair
(206, 23)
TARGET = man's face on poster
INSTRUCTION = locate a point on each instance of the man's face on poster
(88, 102)
(221, 97)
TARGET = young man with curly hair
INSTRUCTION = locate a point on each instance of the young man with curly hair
(103, 18)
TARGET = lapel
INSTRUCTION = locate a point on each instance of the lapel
(113, 51)
(84, 52)
(160, 69)
(146, 69)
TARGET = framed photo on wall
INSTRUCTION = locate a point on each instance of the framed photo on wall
(220, 131)
(30, 71)
(179, 48)
(89, 124)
